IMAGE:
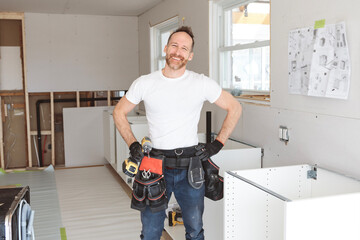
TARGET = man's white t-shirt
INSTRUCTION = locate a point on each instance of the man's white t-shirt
(173, 106)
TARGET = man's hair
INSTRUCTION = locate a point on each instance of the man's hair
(184, 29)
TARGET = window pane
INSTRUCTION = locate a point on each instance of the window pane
(248, 23)
(159, 36)
(249, 69)
(164, 37)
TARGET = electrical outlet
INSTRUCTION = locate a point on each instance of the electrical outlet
(283, 134)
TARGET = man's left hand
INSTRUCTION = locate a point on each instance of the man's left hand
(209, 149)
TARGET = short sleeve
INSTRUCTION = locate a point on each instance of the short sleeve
(212, 90)
(135, 93)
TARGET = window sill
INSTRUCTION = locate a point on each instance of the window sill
(255, 99)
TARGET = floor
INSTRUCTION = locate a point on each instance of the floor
(94, 206)
(89, 203)
(43, 200)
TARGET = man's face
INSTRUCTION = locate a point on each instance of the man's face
(178, 50)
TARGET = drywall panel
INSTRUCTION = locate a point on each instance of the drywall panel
(288, 15)
(83, 136)
(10, 68)
(80, 52)
(329, 141)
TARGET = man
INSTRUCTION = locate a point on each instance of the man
(173, 99)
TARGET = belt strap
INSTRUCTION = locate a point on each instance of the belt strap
(177, 162)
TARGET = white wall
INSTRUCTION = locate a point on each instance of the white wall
(322, 131)
(80, 52)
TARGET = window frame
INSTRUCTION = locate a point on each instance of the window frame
(155, 39)
(217, 32)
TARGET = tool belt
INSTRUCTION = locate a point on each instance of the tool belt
(149, 187)
(199, 171)
(176, 158)
(214, 183)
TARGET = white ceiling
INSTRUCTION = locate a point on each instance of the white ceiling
(87, 7)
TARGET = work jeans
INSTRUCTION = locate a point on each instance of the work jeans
(191, 202)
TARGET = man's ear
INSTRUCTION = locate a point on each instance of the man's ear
(165, 48)
(191, 56)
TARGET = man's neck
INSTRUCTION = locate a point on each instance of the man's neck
(171, 73)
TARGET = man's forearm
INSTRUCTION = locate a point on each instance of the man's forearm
(234, 109)
(229, 125)
(125, 131)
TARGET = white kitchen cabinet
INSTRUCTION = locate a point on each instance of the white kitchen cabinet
(140, 129)
(109, 136)
(291, 203)
(115, 148)
(234, 155)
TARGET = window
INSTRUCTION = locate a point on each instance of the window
(240, 45)
(159, 35)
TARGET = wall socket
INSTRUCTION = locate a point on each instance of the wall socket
(283, 134)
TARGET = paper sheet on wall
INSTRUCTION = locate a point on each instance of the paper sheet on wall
(319, 62)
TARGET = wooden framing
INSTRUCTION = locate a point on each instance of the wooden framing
(77, 99)
(21, 17)
(52, 129)
(1, 139)
(34, 133)
(109, 97)
(255, 97)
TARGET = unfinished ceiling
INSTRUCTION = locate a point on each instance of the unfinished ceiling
(87, 7)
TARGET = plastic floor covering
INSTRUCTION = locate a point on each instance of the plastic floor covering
(94, 206)
(88, 202)
(43, 199)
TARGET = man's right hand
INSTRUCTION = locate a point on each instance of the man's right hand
(136, 152)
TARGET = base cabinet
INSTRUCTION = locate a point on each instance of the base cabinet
(291, 203)
(115, 148)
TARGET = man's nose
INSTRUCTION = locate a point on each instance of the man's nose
(177, 51)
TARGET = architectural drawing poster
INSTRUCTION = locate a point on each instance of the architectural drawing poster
(319, 62)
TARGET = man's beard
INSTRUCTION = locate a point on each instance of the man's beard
(181, 63)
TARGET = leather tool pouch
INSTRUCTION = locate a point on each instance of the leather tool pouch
(214, 183)
(149, 188)
(195, 173)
